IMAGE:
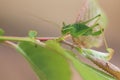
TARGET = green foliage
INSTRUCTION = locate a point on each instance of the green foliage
(48, 64)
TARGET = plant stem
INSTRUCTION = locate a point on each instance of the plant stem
(11, 44)
(4, 38)
(69, 44)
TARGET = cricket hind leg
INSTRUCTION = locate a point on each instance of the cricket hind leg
(97, 30)
(98, 16)
(110, 50)
(94, 25)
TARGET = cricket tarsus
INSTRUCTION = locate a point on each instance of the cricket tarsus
(111, 53)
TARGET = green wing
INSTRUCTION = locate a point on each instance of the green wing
(89, 10)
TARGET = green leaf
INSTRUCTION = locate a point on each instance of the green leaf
(1, 32)
(90, 73)
(48, 64)
(89, 10)
(87, 72)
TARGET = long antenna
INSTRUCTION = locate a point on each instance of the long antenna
(52, 22)
(82, 11)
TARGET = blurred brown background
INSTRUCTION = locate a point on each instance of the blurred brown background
(17, 17)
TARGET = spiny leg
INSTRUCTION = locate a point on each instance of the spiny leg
(95, 25)
(98, 16)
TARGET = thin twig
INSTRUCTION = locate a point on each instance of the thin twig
(11, 44)
(69, 43)
(106, 66)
